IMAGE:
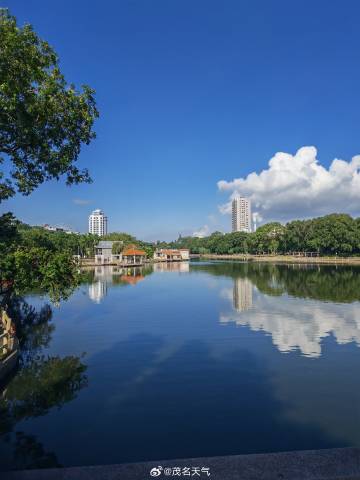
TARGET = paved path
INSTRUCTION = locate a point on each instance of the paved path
(339, 464)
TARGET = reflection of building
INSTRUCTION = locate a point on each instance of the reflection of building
(97, 290)
(242, 294)
(241, 215)
(98, 223)
(182, 267)
(171, 254)
(131, 279)
(112, 275)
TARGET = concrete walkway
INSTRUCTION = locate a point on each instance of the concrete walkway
(339, 464)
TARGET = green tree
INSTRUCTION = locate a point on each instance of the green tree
(333, 234)
(43, 120)
(268, 238)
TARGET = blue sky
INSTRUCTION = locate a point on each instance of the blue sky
(193, 92)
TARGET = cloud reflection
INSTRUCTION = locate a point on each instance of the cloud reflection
(293, 323)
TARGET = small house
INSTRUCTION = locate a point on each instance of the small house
(133, 256)
(171, 255)
(185, 253)
(104, 253)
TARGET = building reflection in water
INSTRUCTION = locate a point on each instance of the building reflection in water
(181, 267)
(104, 276)
(242, 294)
(97, 291)
(109, 275)
(293, 323)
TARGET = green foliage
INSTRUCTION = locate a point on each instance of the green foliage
(127, 240)
(327, 283)
(33, 259)
(148, 248)
(329, 235)
(43, 120)
(117, 247)
(38, 269)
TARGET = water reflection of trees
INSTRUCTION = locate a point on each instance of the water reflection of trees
(297, 324)
(29, 453)
(325, 282)
(39, 383)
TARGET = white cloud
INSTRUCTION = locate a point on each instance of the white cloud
(80, 201)
(202, 232)
(297, 186)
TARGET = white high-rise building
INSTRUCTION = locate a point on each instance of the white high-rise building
(241, 215)
(98, 223)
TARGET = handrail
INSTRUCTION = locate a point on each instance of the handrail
(7, 337)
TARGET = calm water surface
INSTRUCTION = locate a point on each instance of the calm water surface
(187, 360)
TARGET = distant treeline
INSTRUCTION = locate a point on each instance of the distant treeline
(17, 235)
(36, 259)
(335, 234)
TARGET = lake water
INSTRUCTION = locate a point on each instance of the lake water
(187, 360)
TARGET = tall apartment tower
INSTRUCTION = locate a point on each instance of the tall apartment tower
(241, 215)
(98, 223)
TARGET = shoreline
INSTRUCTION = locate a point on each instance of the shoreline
(284, 259)
(287, 259)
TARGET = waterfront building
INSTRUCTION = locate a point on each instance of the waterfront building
(104, 253)
(52, 228)
(133, 256)
(171, 254)
(241, 214)
(185, 253)
(98, 223)
(104, 249)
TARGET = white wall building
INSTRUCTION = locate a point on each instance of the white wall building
(98, 223)
(241, 215)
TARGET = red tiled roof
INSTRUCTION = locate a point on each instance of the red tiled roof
(133, 251)
(170, 252)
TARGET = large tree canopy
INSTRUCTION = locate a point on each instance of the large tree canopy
(43, 119)
(329, 235)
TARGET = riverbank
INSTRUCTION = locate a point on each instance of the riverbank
(284, 259)
(90, 262)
